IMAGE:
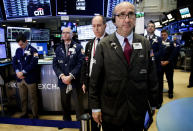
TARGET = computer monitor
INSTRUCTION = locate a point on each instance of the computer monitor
(41, 47)
(2, 34)
(79, 7)
(3, 54)
(13, 48)
(26, 8)
(85, 32)
(40, 34)
(13, 32)
(71, 25)
(185, 13)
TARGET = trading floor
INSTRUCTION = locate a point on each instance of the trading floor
(180, 91)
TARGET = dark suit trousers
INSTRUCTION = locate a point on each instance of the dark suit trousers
(66, 103)
(127, 126)
(169, 71)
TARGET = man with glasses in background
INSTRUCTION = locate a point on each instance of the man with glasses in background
(123, 80)
(67, 64)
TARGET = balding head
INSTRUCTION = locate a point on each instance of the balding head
(123, 5)
(67, 34)
(124, 14)
(99, 25)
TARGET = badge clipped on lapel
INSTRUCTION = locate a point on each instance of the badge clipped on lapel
(72, 51)
(27, 52)
(114, 45)
(137, 46)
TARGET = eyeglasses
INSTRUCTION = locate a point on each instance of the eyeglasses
(65, 32)
(123, 16)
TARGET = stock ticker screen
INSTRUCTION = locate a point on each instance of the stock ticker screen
(13, 32)
(79, 7)
(26, 8)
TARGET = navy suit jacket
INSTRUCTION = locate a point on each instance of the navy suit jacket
(26, 62)
(70, 63)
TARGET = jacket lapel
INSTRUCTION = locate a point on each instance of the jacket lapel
(118, 49)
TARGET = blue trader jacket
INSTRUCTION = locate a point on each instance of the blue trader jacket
(156, 45)
(25, 61)
(169, 52)
(68, 63)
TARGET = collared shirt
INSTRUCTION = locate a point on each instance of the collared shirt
(121, 39)
(93, 51)
(149, 37)
(25, 48)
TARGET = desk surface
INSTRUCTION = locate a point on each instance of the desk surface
(176, 115)
(4, 64)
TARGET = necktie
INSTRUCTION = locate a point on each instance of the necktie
(127, 50)
(98, 39)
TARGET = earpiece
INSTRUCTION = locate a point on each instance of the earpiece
(113, 18)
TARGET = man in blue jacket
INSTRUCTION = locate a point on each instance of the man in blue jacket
(156, 44)
(25, 65)
(67, 65)
(167, 61)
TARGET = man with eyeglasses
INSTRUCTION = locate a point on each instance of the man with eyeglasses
(123, 80)
(67, 64)
(156, 44)
(25, 64)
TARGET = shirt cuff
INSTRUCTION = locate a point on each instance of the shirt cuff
(17, 71)
(71, 75)
(96, 110)
(60, 75)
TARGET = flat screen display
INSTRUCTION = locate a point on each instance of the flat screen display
(13, 48)
(79, 7)
(183, 25)
(40, 35)
(2, 34)
(41, 47)
(72, 25)
(26, 8)
(1, 14)
(3, 54)
(185, 13)
(85, 32)
(13, 32)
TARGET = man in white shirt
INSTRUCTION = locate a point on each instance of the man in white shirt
(99, 25)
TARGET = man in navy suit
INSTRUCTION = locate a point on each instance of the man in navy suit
(25, 64)
(67, 65)
(156, 44)
(167, 61)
